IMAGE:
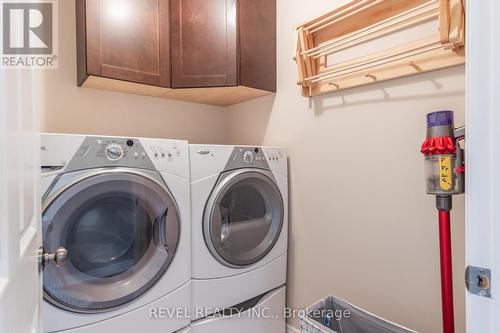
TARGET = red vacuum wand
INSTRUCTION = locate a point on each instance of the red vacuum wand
(444, 161)
(446, 272)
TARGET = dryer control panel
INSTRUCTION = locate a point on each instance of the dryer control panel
(209, 160)
(255, 157)
(242, 157)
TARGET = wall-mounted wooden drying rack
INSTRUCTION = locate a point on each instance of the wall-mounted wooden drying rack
(363, 21)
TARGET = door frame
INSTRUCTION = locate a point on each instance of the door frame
(483, 158)
(20, 218)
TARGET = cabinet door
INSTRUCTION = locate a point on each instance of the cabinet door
(257, 31)
(203, 43)
(129, 40)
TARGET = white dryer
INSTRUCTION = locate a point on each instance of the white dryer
(116, 212)
(239, 200)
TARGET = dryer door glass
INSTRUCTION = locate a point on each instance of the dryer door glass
(121, 231)
(245, 219)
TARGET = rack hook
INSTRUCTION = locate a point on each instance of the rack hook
(417, 67)
(334, 84)
(373, 77)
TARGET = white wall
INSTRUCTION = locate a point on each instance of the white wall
(362, 227)
(70, 109)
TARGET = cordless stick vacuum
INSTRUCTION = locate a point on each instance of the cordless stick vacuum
(445, 177)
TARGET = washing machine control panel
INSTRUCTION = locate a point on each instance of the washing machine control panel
(91, 152)
(110, 152)
(118, 149)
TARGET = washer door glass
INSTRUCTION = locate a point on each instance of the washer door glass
(121, 230)
(245, 217)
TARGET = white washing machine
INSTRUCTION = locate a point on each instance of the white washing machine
(239, 200)
(116, 214)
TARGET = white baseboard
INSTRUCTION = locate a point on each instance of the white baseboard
(291, 329)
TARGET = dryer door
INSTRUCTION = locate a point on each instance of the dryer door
(243, 217)
(120, 228)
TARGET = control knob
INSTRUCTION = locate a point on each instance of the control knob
(248, 156)
(114, 152)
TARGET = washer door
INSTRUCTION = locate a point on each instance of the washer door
(243, 217)
(121, 229)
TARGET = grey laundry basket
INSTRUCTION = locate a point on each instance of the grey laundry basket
(328, 316)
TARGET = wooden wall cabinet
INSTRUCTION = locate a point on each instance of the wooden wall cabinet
(217, 52)
(203, 43)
